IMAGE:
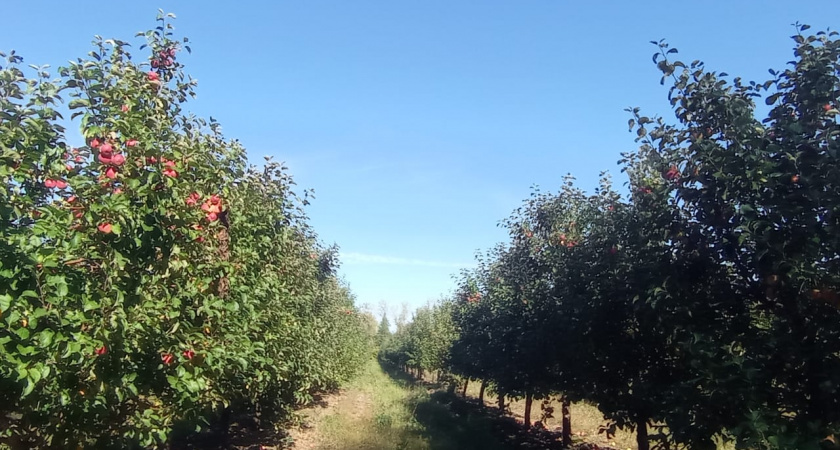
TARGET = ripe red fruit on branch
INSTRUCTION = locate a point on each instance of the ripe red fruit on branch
(94, 143)
(61, 184)
(672, 173)
(111, 173)
(49, 183)
(212, 217)
(188, 354)
(166, 358)
(827, 107)
(131, 143)
(124, 108)
(153, 76)
(170, 173)
(118, 160)
(193, 198)
(213, 205)
(106, 154)
(105, 227)
(101, 350)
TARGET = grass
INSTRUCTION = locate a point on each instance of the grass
(372, 414)
(385, 411)
(586, 419)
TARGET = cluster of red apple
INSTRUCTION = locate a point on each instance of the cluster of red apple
(562, 240)
(163, 60)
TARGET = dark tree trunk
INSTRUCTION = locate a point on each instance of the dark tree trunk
(529, 399)
(567, 422)
(501, 402)
(642, 434)
(224, 425)
(464, 392)
(481, 392)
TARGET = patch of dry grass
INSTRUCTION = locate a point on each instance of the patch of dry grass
(586, 419)
(371, 414)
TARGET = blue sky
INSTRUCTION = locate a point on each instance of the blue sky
(421, 124)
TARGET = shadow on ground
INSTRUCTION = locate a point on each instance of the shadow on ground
(450, 422)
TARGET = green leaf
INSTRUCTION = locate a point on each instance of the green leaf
(5, 302)
(30, 386)
(45, 337)
(22, 333)
(35, 374)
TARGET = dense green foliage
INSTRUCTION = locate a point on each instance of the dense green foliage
(422, 344)
(705, 303)
(151, 278)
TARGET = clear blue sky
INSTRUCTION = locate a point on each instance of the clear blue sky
(421, 124)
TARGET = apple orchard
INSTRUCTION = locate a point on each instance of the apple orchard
(155, 285)
(151, 281)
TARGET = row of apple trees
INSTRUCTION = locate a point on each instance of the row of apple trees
(150, 279)
(422, 345)
(704, 305)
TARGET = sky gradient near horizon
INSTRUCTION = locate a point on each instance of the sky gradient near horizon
(420, 125)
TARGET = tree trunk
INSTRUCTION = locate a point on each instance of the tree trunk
(464, 392)
(224, 425)
(529, 399)
(481, 392)
(642, 434)
(501, 402)
(567, 422)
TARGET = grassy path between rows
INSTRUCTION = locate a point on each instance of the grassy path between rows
(385, 409)
(387, 412)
